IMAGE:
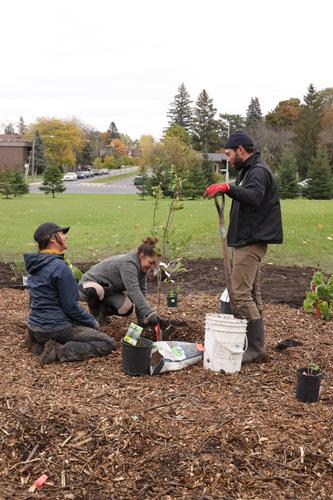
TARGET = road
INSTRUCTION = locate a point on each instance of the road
(88, 186)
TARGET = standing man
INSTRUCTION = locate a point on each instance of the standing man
(255, 221)
(58, 326)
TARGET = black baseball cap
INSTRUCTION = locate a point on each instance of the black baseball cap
(238, 138)
(45, 231)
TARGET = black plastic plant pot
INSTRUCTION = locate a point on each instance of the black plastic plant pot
(172, 301)
(136, 359)
(307, 386)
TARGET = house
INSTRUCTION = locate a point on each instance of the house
(219, 163)
(219, 160)
(15, 150)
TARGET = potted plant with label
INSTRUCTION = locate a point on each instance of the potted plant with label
(170, 272)
(172, 295)
(308, 383)
(19, 274)
(319, 299)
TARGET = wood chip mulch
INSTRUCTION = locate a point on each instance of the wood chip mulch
(98, 433)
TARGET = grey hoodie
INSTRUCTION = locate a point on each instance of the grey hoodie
(123, 273)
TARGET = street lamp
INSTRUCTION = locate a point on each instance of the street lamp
(226, 169)
(227, 164)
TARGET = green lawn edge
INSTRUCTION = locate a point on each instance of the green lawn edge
(103, 225)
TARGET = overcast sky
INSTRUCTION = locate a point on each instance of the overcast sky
(103, 61)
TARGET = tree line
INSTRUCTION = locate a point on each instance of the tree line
(296, 138)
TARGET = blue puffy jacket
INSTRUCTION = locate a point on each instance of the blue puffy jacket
(53, 294)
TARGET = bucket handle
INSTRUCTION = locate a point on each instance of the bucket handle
(246, 343)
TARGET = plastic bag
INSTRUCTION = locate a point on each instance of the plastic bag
(167, 356)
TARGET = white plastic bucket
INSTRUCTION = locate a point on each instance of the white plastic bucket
(225, 342)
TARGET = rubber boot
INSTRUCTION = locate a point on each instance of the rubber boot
(256, 339)
(49, 355)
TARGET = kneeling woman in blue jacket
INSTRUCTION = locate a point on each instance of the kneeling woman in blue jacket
(57, 322)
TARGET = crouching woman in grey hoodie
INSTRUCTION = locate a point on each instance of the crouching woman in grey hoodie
(114, 285)
(59, 328)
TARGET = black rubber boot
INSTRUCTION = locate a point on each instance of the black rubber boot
(49, 355)
(256, 340)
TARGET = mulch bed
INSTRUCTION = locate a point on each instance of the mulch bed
(98, 433)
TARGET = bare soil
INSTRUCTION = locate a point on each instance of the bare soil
(280, 285)
(99, 434)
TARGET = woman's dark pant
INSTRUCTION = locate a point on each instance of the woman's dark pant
(76, 343)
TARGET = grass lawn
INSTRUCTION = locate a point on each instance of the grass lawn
(38, 178)
(102, 225)
(111, 178)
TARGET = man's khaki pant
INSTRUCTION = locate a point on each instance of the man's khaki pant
(245, 280)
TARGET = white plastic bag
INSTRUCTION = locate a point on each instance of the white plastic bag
(167, 356)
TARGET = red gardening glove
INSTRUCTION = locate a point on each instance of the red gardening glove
(214, 189)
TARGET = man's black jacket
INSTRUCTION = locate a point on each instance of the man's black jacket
(255, 215)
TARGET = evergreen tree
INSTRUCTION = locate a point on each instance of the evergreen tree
(253, 114)
(39, 156)
(230, 123)
(88, 153)
(9, 129)
(143, 187)
(287, 175)
(207, 170)
(19, 184)
(112, 132)
(180, 112)
(195, 183)
(6, 185)
(320, 184)
(161, 176)
(21, 126)
(52, 181)
(308, 129)
(205, 127)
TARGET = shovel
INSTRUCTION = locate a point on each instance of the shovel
(227, 267)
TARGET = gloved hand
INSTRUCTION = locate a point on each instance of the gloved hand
(214, 189)
(154, 319)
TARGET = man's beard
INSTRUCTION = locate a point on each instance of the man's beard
(238, 163)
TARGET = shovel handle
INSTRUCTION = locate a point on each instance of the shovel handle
(227, 267)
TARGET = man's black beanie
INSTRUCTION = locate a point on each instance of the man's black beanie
(238, 138)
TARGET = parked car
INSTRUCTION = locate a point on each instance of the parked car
(104, 171)
(81, 175)
(70, 176)
(138, 180)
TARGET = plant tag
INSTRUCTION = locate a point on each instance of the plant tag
(133, 334)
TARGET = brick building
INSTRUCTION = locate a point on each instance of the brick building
(14, 151)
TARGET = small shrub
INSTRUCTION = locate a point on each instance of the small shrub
(319, 299)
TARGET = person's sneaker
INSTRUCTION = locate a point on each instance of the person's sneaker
(49, 355)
